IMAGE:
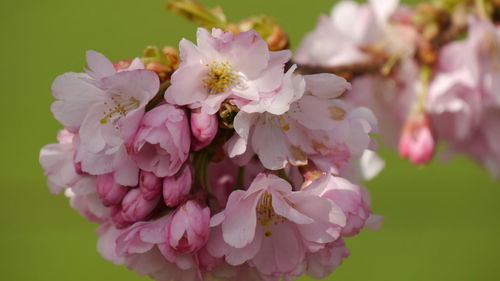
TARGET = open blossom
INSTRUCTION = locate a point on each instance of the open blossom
(306, 123)
(224, 66)
(105, 107)
(321, 263)
(162, 142)
(463, 99)
(349, 197)
(339, 38)
(348, 36)
(57, 162)
(253, 225)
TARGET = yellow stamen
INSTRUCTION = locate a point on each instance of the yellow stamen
(120, 109)
(220, 77)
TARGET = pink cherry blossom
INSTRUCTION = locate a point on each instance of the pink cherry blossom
(339, 38)
(316, 126)
(348, 197)
(255, 221)
(57, 162)
(162, 142)
(222, 66)
(105, 107)
(137, 248)
(322, 263)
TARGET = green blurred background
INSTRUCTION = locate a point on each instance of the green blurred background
(441, 221)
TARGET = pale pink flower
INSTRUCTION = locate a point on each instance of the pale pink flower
(188, 228)
(85, 199)
(137, 248)
(339, 38)
(482, 145)
(390, 98)
(253, 225)
(349, 197)
(57, 162)
(417, 141)
(110, 192)
(176, 188)
(314, 126)
(224, 66)
(105, 107)
(162, 142)
(322, 263)
(204, 128)
(455, 104)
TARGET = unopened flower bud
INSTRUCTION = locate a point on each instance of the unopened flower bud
(160, 69)
(172, 55)
(117, 217)
(176, 189)
(110, 192)
(135, 207)
(417, 141)
(188, 228)
(150, 185)
(203, 128)
(123, 64)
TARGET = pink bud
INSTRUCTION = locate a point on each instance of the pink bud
(162, 142)
(110, 192)
(204, 128)
(117, 216)
(135, 207)
(188, 228)
(176, 189)
(150, 185)
(417, 141)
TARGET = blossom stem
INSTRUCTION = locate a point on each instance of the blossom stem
(240, 178)
(481, 9)
(158, 97)
(348, 71)
(282, 174)
(425, 77)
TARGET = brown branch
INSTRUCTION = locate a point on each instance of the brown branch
(348, 71)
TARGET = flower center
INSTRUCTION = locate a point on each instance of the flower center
(220, 77)
(118, 108)
(265, 213)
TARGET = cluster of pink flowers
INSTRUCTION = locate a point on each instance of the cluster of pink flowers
(426, 91)
(238, 172)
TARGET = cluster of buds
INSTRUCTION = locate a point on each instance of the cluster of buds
(438, 82)
(214, 162)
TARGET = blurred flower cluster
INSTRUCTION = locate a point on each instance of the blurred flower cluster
(430, 73)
